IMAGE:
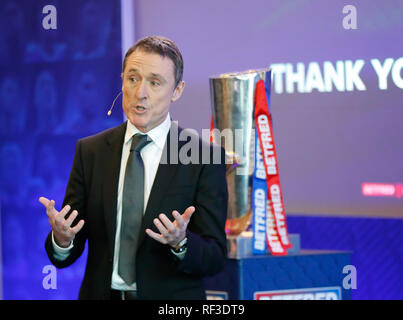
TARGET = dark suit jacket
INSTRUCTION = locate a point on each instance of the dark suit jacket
(92, 190)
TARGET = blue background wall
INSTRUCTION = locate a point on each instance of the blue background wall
(55, 87)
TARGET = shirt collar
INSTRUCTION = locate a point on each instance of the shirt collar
(158, 134)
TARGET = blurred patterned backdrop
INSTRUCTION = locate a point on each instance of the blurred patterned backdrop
(55, 87)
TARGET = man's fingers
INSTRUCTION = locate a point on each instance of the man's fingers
(167, 223)
(78, 227)
(44, 201)
(50, 208)
(188, 213)
(178, 218)
(59, 217)
(161, 228)
(64, 211)
(156, 236)
(70, 219)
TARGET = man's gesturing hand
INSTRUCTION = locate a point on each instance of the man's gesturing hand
(62, 232)
(171, 232)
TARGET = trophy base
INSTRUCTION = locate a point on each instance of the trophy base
(240, 246)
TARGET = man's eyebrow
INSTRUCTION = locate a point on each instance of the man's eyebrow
(132, 70)
(155, 75)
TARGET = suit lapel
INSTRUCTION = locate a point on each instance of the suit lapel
(112, 160)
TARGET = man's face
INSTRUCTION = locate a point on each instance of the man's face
(148, 89)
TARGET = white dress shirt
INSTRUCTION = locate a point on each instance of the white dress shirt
(151, 155)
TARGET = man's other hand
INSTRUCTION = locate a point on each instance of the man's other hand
(172, 233)
(62, 231)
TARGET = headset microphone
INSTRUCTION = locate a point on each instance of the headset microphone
(113, 103)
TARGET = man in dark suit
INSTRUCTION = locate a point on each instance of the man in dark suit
(162, 248)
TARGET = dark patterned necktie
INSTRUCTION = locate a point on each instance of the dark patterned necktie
(132, 209)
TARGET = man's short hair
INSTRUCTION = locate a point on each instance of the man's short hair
(163, 47)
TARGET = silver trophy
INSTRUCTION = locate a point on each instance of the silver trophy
(232, 100)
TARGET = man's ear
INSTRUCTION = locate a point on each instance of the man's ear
(178, 91)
